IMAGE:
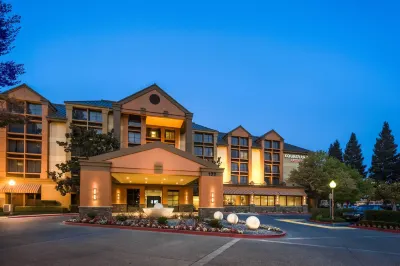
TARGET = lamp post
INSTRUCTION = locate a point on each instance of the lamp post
(332, 185)
(11, 183)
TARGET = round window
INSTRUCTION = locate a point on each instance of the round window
(154, 99)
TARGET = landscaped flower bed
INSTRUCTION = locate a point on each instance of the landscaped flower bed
(393, 227)
(184, 224)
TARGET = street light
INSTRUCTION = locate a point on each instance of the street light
(11, 183)
(332, 185)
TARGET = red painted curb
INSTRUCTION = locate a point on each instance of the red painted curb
(179, 231)
(41, 215)
(376, 229)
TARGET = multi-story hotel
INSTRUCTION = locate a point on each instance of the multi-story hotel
(164, 157)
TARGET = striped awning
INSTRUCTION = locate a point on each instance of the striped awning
(20, 188)
(266, 192)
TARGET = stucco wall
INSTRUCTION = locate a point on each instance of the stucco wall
(222, 152)
(289, 164)
(56, 152)
(49, 193)
(256, 173)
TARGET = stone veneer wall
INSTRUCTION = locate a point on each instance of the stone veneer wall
(209, 212)
(264, 209)
(100, 211)
(186, 207)
(125, 208)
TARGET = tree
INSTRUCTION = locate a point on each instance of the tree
(9, 29)
(353, 155)
(317, 170)
(389, 192)
(81, 143)
(335, 151)
(385, 158)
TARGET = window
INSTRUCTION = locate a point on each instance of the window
(169, 135)
(275, 169)
(134, 121)
(243, 167)
(267, 144)
(267, 156)
(153, 133)
(208, 152)
(267, 180)
(276, 144)
(290, 200)
(234, 167)
(16, 128)
(198, 151)
(33, 147)
(244, 142)
(244, 180)
(234, 154)
(298, 201)
(264, 200)
(15, 166)
(282, 200)
(275, 181)
(33, 166)
(34, 109)
(15, 145)
(198, 137)
(276, 157)
(34, 128)
(234, 179)
(244, 155)
(173, 198)
(235, 141)
(208, 138)
(98, 130)
(267, 168)
(95, 116)
(133, 197)
(236, 200)
(79, 114)
(134, 137)
(30, 196)
(17, 107)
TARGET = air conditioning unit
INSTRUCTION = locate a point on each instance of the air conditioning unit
(7, 208)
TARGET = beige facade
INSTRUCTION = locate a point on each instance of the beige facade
(182, 171)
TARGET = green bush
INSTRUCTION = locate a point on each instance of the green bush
(162, 220)
(91, 215)
(215, 223)
(121, 217)
(383, 216)
(41, 209)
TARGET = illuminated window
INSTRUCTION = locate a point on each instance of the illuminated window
(173, 198)
(244, 155)
(16, 166)
(264, 200)
(169, 135)
(236, 200)
(153, 133)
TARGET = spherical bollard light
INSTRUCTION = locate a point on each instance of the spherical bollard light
(158, 206)
(252, 222)
(232, 218)
(218, 215)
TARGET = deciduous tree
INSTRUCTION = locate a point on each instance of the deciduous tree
(389, 192)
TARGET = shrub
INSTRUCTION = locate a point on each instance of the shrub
(384, 216)
(162, 220)
(214, 223)
(91, 215)
(379, 224)
(320, 212)
(121, 217)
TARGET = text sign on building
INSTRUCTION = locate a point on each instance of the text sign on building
(295, 157)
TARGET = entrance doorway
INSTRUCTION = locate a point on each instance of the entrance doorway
(152, 197)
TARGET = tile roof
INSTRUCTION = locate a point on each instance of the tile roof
(99, 103)
(60, 113)
(202, 128)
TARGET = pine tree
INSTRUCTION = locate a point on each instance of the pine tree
(335, 151)
(384, 159)
(353, 155)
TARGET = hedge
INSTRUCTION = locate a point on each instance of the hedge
(379, 224)
(41, 209)
(384, 216)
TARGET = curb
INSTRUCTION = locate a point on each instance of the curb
(174, 231)
(41, 215)
(338, 223)
(376, 229)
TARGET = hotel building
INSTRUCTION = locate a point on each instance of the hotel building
(164, 157)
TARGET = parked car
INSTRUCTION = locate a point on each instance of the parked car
(358, 212)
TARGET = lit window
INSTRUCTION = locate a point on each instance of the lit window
(173, 198)
(170, 135)
(244, 155)
(153, 133)
(235, 141)
(16, 166)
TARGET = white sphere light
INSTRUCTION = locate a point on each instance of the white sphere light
(218, 215)
(158, 206)
(252, 222)
(232, 218)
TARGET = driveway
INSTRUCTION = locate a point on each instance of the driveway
(46, 241)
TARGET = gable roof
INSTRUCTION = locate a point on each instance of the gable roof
(271, 131)
(202, 128)
(99, 103)
(236, 128)
(158, 89)
(150, 146)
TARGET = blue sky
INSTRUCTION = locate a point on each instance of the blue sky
(314, 71)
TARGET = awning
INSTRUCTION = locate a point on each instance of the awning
(258, 191)
(21, 188)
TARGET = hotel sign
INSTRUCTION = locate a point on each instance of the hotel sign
(295, 158)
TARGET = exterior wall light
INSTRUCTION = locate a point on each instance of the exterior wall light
(277, 200)
(95, 194)
(118, 195)
(212, 197)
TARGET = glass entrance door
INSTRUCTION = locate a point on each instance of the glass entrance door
(152, 200)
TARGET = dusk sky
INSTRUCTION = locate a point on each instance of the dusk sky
(313, 71)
